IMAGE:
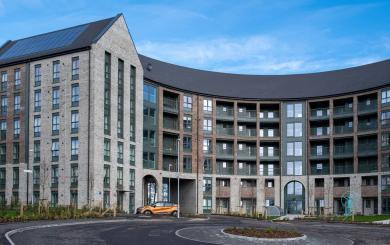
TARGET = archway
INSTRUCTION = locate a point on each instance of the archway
(294, 198)
(150, 189)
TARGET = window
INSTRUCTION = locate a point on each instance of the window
(55, 123)
(119, 180)
(56, 98)
(55, 150)
(150, 93)
(75, 146)
(73, 198)
(207, 167)
(207, 204)
(187, 102)
(207, 125)
(120, 152)
(17, 103)
(107, 149)
(133, 73)
(54, 199)
(132, 155)
(386, 96)
(187, 164)
(294, 129)
(37, 75)
(294, 168)
(385, 118)
(37, 151)
(132, 179)
(187, 123)
(207, 105)
(16, 128)
(187, 143)
(3, 129)
(207, 185)
(15, 177)
(106, 179)
(37, 100)
(37, 126)
(54, 175)
(75, 122)
(15, 152)
(294, 149)
(17, 78)
(107, 93)
(2, 178)
(56, 71)
(74, 175)
(120, 99)
(36, 176)
(269, 183)
(3, 153)
(294, 110)
(207, 146)
(319, 182)
(269, 202)
(75, 68)
(75, 95)
(4, 81)
(4, 105)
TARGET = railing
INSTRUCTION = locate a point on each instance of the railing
(368, 148)
(320, 152)
(269, 115)
(341, 150)
(170, 149)
(319, 113)
(269, 154)
(269, 172)
(315, 171)
(370, 125)
(170, 104)
(343, 110)
(371, 167)
(170, 124)
(247, 132)
(247, 169)
(385, 166)
(228, 170)
(247, 114)
(319, 131)
(149, 164)
(225, 112)
(342, 130)
(225, 131)
(269, 133)
(343, 169)
(170, 166)
(228, 152)
(364, 107)
(385, 123)
(247, 153)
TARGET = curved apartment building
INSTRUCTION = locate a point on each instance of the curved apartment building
(71, 114)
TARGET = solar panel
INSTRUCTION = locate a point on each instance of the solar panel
(43, 42)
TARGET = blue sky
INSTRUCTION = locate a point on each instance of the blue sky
(248, 36)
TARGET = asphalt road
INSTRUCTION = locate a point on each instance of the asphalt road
(162, 231)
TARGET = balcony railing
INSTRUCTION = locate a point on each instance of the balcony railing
(225, 153)
(319, 131)
(344, 110)
(343, 169)
(319, 113)
(269, 155)
(228, 170)
(338, 129)
(266, 171)
(247, 132)
(269, 133)
(170, 124)
(319, 171)
(269, 116)
(368, 125)
(319, 152)
(225, 112)
(170, 166)
(171, 105)
(149, 164)
(225, 131)
(170, 149)
(370, 167)
(367, 149)
(247, 169)
(247, 115)
(385, 166)
(343, 151)
(368, 107)
(247, 153)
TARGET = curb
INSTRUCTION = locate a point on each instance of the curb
(253, 239)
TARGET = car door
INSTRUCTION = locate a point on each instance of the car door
(159, 208)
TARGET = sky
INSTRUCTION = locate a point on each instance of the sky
(247, 36)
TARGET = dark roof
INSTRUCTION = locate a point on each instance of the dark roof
(268, 87)
(61, 41)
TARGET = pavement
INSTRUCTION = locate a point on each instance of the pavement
(186, 231)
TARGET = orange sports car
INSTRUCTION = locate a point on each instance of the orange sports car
(158, 208)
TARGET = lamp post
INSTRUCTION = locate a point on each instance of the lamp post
(178, 177)
(169, 183)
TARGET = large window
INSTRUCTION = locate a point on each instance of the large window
(75, 146)
(294, 168)
(294, 129)
(17, 78)
(207, 148)
(17, 103)
(55, 150)
(294, 110)
(150, 93)
(107, 149)
(56, 98)
(54, 175)
(74, 175)
(385, 119)
(15, 177)
(207, 166)
(37, 75)
(4, 81)
(55, 123)
(294, 149)
(132, 179)
(119, 127)
(386, 96)
(119, 180)
(37, 151)
(36, 176)
(207, 105)
(120, 152)
(16, 128)
(106, 180)
(187, 143)
(3, 129)
(75, 68)
(187, 123)
(207, 185)
(56, 71)
(207, 125)
(37, 100)
(207, 204)
(107, 93)
(75, 124)
(37, 126)
(16, 152)
(4, 105)
(75, 94)
(133, 73)
(187, 102)
(132, 155)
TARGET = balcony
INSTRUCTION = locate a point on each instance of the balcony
(170, 123)
(341, 129)
(170, 149)
(369, 149)
(368, 167)
(343, 151)
(248, 153)
(170, 166)
(225, 153)
(319, 113)
(343, 168)
(224, 169)
(3, 134)
(249, 132)
(171, 105)
(368, 106)
(269, 155)
(316, 170)
(319, 131)
(367, 125)
(149, 164)
(225, 113)
(319, 152)
(266, 170)
(225, 131)
(269, 133)
(269, 116)
(247, 169)
(385, 165)
(247, 115)
(248, 192)
(343, 111)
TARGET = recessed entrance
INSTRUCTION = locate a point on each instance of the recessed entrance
(294, 198)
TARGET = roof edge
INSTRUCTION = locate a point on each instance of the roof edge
(97, 38)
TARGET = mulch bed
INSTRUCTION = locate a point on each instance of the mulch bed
(263, 233)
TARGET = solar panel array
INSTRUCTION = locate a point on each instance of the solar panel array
(49, 41)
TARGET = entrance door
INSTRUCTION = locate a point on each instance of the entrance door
(294, 198)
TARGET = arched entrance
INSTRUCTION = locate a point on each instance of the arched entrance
(294, 198)
(150, 189)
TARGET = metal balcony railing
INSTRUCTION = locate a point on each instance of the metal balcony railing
(319, 131)
(338, 129)
(171, 105)
(269, 133)
(368, 167)
(367, 125)
(247, 132)
(319, 113)
(225, 131)
(343, 110)
(343, 150)
(249, 115)
(316, 171)
(249, 153)
(225, 112)
(343, 169)
(228, 170)
(269, 115)
(247, 169)
(226, 152)
(170, 123)
(319, 151)
(368, 107)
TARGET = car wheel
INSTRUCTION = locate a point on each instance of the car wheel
(147, 212)
(174, 213)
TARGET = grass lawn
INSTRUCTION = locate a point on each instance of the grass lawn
(369, 218)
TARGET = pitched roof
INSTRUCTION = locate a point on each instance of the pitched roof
(60, 41)
(268, 87)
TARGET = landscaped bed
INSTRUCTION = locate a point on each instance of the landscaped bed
(263, 233)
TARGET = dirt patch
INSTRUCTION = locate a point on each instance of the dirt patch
(263, 233)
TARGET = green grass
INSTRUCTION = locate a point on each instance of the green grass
(368, 218)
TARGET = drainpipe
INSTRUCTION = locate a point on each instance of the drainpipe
(26, 129)
(89, 138)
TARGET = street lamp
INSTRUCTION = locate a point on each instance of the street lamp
(169, 183)
(178, 177)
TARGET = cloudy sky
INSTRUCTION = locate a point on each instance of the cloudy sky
(248, 36)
